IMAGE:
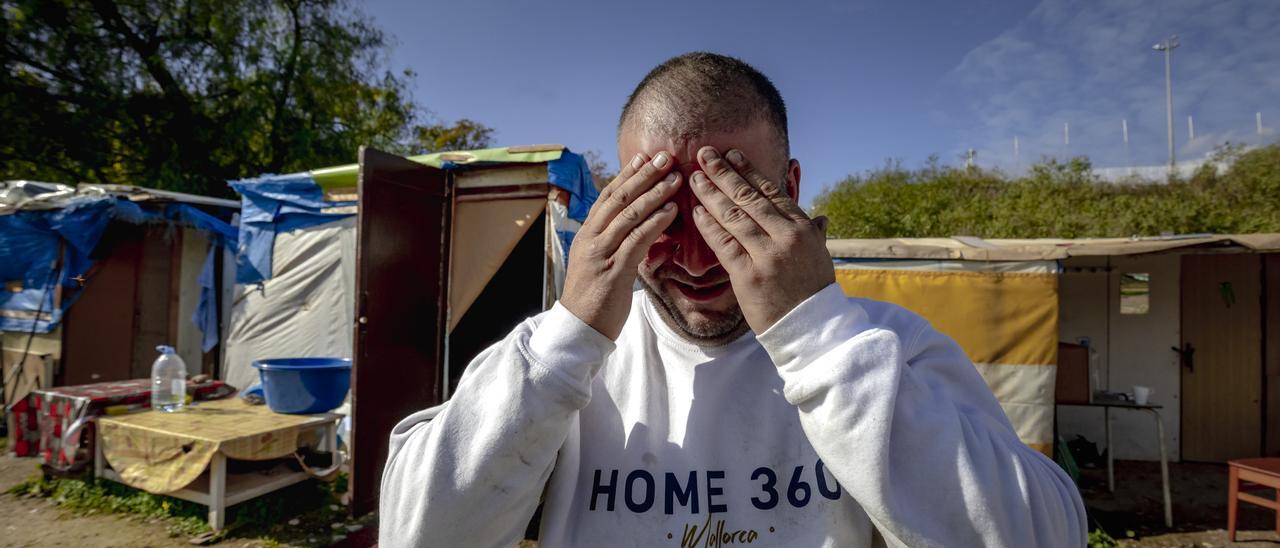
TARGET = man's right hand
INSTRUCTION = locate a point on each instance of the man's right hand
(631, 213)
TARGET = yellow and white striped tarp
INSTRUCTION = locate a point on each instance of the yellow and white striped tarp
(1003, 314)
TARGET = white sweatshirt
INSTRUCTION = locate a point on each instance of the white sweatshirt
(848, 423)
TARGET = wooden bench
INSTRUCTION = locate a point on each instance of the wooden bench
(1263, 472)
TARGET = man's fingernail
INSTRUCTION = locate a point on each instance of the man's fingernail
(638, 161)
(660, 160)
(669, 206)
(699, 210)
(709, 154)
(670, 178)
(735, 156)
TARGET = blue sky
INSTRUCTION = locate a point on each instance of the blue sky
(864, 81)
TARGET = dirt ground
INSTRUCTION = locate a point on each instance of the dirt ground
(1199, 493)
(38, 522)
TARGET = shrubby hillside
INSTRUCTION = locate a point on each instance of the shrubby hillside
(1059, 200)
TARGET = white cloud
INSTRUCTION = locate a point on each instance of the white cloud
(1091, 65)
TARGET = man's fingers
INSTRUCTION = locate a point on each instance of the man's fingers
(625, 188)
(722, 243)
(729, 215)
(742, 192)
(636, 243)
(771, 190)
(593, 223)
(635, 213)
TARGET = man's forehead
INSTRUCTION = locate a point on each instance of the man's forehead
(755, 141)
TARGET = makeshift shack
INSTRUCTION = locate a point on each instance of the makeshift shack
(1195, 317)
(96, 276)
(410, 266)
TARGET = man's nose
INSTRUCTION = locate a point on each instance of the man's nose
(692, 252)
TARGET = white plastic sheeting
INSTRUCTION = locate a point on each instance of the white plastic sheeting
(305, 310)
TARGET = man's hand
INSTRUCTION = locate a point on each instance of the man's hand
(775, 254)
(629, 216)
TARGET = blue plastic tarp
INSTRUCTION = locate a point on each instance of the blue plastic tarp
(571, 173)
(271, 204)
(29, 252)
(29, 256)
(206, 314)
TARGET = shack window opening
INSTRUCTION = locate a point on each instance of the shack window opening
(1135, 293)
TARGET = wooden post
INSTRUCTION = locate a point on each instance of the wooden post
(1111, 451)
(99, 460)
(1233, 490)
(217, 491)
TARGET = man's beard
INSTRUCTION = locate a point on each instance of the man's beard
(717, 327)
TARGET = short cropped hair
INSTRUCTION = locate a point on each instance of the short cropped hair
(697, 93)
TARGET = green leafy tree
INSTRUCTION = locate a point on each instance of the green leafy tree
(461, 135)
(601, 173)
(185, 95)
(1056, 200)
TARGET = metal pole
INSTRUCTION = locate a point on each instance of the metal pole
(1259, 118)
(1128, 158)
(1066, 142)
(1191, 129)
(1016, 162)
(1164, 470)
(1168, 99)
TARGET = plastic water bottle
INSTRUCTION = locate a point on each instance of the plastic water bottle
(168, 381)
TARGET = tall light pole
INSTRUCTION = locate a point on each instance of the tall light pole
(1167, 46)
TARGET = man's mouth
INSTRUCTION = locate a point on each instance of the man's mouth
(701, 292)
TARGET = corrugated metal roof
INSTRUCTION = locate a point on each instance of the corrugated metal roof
(36, 195)
(969, 248)
(143, 194)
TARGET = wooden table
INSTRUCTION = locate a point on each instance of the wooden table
(1106, 406)
(221, 429)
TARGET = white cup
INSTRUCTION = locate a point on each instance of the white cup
(1141, 394)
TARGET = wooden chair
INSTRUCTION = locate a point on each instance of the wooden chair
(1263, 472)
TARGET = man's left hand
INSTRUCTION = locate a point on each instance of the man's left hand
(775, 254)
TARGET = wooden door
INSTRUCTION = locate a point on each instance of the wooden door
(99, 330)
(402, 261)
(1222, 357)
(156, 304)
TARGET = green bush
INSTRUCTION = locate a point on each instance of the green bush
(1100, 539)
(1056, 200)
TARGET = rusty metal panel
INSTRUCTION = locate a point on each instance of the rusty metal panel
(156, 298)
(98, 332)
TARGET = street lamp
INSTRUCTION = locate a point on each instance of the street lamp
(1167, 46)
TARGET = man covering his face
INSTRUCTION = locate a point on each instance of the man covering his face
(739, 397)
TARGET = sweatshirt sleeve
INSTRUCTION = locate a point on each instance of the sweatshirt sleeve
(906, 424)
(473, 475)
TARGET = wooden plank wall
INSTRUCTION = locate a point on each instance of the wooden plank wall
(1271, 343)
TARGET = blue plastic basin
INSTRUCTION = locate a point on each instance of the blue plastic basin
(301, 386)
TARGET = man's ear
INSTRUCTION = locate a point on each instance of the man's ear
(793, 179)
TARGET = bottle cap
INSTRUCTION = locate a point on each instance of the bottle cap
(165, 349)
